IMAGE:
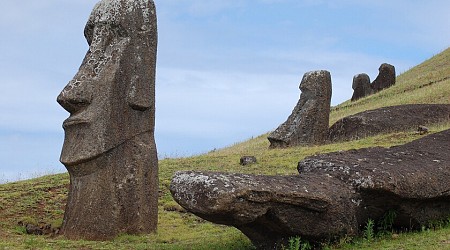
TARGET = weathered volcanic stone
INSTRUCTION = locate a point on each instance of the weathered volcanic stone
(388, 119)
(109, 148)
(361, 86)
(247, 160)
(385, 78)
(334, 195)
(308, 123)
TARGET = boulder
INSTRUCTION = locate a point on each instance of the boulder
(247, 160)
(109, 148)
(33, 229)
(333, 196)
(388, 119)
(361, 86)
(308, 123)
(385, 78)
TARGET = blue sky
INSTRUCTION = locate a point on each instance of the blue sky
(227, 69)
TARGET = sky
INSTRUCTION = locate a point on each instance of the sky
(227, 70)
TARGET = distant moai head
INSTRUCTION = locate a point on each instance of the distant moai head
(360, 80)
(361, 86)
(385, 78)
(308, 122)
(111, 98)
(387, 69)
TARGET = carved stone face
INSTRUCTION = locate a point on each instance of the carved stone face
(109, 100)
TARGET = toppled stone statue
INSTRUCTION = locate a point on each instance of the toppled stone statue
(361, 86)
(385, 78)
(388, 119)
(109, 148)
(308, 123)
(333, 196)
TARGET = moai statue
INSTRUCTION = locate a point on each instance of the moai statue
(109, 148)
(385, 78)
(361, 86)
(308, 123)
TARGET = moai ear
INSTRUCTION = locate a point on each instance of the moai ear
(138, 97)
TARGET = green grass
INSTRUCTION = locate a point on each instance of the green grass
(42, 200)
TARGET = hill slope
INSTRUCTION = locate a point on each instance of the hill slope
(428, 82)
(42, 200)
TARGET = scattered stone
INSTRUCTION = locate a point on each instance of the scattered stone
(334, 195)
(388, 119)
(308, 123)
(48, 230)
(385, 78)
(361, 86)
(247, 160)
(422, 130)
(109, 148)
(33, 229)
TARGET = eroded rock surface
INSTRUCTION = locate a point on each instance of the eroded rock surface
(308, 123)
(334, 194)
(388, 119)
(109, 148)
(247, 160)
(361, 86)
(385, 78)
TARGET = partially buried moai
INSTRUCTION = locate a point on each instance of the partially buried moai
(109, 148)
(361, 86)
(308, 123)
(385, 78)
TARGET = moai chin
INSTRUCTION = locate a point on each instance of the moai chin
(109, 148)
(308, 123)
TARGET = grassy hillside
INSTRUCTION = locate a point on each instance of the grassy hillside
(42, 200)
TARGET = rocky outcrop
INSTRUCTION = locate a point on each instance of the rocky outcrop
(385, 78)
(308, 123)
(388, 119)
(334, 195)
(361, 86)
(109, 148)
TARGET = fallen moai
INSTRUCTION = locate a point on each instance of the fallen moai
(333, 196)
(309, 121)
(388, 119)
(109, 148)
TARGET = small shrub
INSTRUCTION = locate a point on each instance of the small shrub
(295, 243)
(20, 230)
(368, 230)
(387, 222)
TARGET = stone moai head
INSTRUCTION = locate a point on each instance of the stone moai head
(109, 148)
(308, 122)
(111, 98)
(387, 69)
(385, 78)
(316, 84)
(361, 86)
(360, 80)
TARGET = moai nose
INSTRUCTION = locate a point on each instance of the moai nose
(75, 96)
